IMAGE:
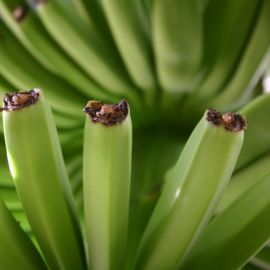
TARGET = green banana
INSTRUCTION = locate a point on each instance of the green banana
(242, 180)
(132, 41)
(6, 8)
(63, 66)
(106, 182)
(257, 136)
(38, 170)
(16, 249)
(189, 196)
(10, 198)
(240, 231)
(20, 69)
(253, 64)
(96, 14)
(221, 55)
(89, 51)
(177, 41)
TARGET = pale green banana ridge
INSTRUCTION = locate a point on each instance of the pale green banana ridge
(242, 180)
(20, 69)
(16, 249)
(257, 136)
(64, 66)
(189, 196)
(230, 232)
(266, 80)
(262, 259)
(79, 6)
(106, 187)
(89, 51)
(38, 169)
(221, 55)
(132, 41)
(177, 42)
(251, 68)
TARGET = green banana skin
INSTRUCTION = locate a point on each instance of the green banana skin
(221, 55)
(241, 239)
(242, 180)
(257, 136)
(177, 41)
(15, 59)
(132, 42)
(38, 169)
(89, 51)
(106, 187)
(16, 249)
(188, 198)
(63, 66)
(251, 68)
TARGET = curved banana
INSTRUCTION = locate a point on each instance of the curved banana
(240, 231)
(257, 136)
(223, 23)
(89, 50)
(106, 182)
(189, 196)
(23, 71)
(242, 181)
(133, 43)
(16, 249)
(177, 41)
(252, 66)
(39, 173)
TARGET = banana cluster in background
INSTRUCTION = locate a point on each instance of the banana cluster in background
(171, 60)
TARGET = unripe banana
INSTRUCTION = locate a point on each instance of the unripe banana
(39, 173)
(106, 182)
(16, 249)
(240, 231)
(133, 44)
(177, 41)
(189, 196)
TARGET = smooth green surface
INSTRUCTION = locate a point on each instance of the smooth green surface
(106, 187)
(189, 196)
(39, 173)
(253, 63)
(239, 232)
(242, 181)
(132, 41)
(16, 249)
(221, 55)
(64, 66)
(89, 51)
(258, 131)
(177, 42)
(19, 68)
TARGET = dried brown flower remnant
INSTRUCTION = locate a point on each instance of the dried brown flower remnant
(19, 13)
(19, 100)
(230, 121)
(107, 114)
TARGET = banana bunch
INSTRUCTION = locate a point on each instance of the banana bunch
(182, 187)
